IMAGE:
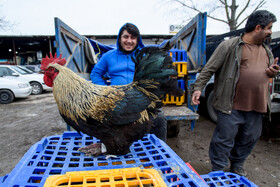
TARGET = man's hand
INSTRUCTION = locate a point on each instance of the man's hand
(195, 97)
(272, 70)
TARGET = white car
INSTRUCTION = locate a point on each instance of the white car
(35, 79)
(12, 88)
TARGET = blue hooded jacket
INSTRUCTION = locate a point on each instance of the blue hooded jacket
(117, 64)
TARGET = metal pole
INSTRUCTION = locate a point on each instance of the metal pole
(50, 44)
(14, 49)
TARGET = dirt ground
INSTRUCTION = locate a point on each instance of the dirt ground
(26, 121)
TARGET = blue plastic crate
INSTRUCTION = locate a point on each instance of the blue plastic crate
(58, 154)
(179, 55)
(2, 179)
(220, 178)
(181, 84)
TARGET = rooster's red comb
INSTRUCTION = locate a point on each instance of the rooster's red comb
(52, 60)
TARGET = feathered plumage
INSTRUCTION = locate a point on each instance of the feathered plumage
(117, 115)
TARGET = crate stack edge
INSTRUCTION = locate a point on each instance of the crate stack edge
(179, 58)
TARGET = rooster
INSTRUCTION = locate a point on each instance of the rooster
(116, 115)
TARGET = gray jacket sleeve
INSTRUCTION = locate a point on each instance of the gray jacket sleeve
(213, 65)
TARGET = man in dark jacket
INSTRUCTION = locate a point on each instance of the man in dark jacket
(120, 68)
(242, 67)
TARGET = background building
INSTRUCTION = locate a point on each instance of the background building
(23, 50)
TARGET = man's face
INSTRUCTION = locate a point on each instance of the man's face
(128, 42)
(264, 33)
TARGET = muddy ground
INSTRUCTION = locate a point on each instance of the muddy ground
(26, 121)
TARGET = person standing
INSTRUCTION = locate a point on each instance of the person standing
(118, 65)
(242, 67)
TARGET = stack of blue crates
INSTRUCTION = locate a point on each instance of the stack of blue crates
(59, 154)
(179, 58)
(180, 55)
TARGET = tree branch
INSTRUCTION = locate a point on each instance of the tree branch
(226, 9)
(217, 19)
(230, 10)
(185, 5)
(262, 2)
(195, 9)
(245, 7)
(221, 1)
(6, 25)
(238, 25)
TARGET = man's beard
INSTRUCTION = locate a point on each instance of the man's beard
(267, 39)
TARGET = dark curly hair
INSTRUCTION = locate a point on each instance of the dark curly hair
(259, 17)
(131, 29)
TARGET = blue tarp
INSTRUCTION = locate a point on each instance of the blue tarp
(100, 48)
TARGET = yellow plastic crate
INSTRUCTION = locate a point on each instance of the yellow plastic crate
(181, 68)
(128, 177)
(170, 99)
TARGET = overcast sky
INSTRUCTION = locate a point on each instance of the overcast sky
(101, 17)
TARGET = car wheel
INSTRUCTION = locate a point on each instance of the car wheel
(210, 108)
(6, 96)
(36, 88)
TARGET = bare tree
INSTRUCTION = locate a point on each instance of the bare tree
(5, 25)
(233, 14)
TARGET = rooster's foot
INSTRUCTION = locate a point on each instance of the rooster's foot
(92, 150)
(110, 156)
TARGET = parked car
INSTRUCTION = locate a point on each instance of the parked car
(35, 80)
(11, 88)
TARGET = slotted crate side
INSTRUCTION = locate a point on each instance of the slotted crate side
(170, 99)
(178, 55)
(181, 68)
(58, 154)
(179, 58)
(111, 177)
(2, 178)
(220, 178)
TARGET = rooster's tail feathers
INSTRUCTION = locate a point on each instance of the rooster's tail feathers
(155, 73)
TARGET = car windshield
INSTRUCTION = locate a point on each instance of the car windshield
(20, 71)
(26, 69)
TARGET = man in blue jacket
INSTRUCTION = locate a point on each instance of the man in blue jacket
(119, 66)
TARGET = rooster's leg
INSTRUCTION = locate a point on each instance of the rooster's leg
(92, 150)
